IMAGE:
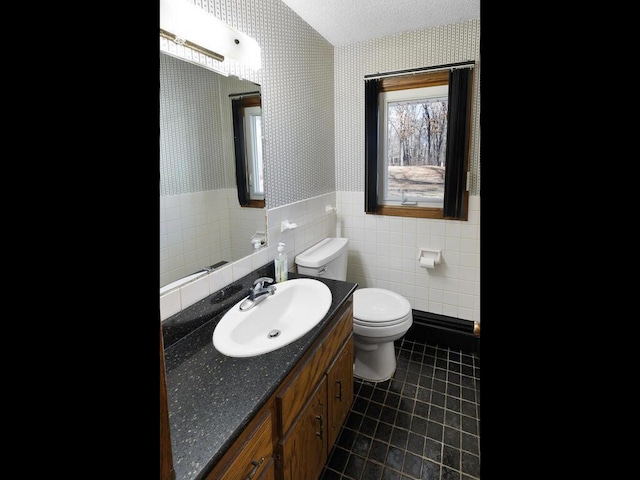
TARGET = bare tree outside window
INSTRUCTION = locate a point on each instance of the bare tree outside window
(416, 149)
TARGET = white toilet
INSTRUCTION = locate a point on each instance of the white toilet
(379, 316)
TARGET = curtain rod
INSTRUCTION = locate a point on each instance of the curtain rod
(467, 64)
(244, 94)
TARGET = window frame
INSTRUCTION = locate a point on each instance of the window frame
(242, 162)
(456, 191)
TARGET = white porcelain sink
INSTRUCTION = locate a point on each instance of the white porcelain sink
(293, 310)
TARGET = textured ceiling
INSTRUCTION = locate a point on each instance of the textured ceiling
(342, 22)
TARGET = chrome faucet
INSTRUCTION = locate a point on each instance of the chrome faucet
(258, 293)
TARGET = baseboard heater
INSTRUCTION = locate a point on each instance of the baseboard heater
(446, 331)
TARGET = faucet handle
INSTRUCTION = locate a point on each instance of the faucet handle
(260, 281)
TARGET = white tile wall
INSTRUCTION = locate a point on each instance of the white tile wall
(383, 253)
(314, 224)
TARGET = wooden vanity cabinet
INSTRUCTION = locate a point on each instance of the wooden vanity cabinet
(303, 450)
(251, 456)
(291, 436)
(314, 401)
(339, 391)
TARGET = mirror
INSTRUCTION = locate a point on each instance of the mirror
(202, 224)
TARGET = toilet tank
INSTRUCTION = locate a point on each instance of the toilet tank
(327, 259)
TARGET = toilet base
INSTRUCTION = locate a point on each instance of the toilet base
(374, 364)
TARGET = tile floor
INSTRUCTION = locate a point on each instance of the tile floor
(423, 423)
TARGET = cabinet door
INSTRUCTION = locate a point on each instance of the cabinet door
(254, 455)
(304, 449)
(340, 391)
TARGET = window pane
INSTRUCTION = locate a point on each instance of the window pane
(415, 150)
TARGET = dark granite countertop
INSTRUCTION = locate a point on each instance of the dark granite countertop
(213, 397)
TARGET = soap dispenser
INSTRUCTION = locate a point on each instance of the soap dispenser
(281, 264)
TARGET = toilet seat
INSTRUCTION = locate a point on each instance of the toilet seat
(377, 307)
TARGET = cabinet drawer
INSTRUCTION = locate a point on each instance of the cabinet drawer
(306, 376)
(254, 455)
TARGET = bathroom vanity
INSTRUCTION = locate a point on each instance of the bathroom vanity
(271, 416)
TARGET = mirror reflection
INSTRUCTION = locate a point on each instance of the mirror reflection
(202, 223)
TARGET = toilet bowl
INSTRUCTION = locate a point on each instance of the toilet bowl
(380, 316)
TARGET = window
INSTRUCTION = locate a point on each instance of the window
(247, 132)
(416, 144)
(253, 134)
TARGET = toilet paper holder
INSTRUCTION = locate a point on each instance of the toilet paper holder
(432, 253)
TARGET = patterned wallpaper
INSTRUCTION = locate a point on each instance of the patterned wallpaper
(296, 81)
(196, 127)
(420, 48)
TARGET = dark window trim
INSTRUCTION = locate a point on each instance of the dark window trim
(242, 179)
(456, 199)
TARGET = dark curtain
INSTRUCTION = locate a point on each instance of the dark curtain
(457, 138)
(371, 90)
(241, 165)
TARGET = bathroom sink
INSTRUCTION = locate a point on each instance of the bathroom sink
(293, 310)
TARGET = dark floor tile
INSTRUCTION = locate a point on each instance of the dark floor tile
(449, 474)
(453, 403)
(415, 365)
(469, 394)
(329, 474)
(403, 419)
(395, 458)
(378, 395)
(453, 371)
(434, 430)
(412, 465)
(437, 398)
(440, 374)
(469, 425)
(378, 451)
(423, 423)
(366, 390)
(451, 457)
(361, 445)
(399, 438)
(439, 386)
(452, 419)
(392, 400)
(453, 376)
(412, 378)
(368, 426)
(383, 432)
(388, 415)
(436, 414)
(466, 370)
(426, 375)
(373, 410)
(451, 437)
(421, 409)
(346, 438)
(396, 386)
(453, 390)
(470, 464)
(359, 405)
(415, 443)
(354, 467)
(419, 425)
(372, 471)
(353, 421)
(470, 443)
(430, 470)
(406, 405)
(388, 474)
(338, 459)
(469, 409)
(433, 450)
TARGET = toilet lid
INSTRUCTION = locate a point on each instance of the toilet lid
(379, 307)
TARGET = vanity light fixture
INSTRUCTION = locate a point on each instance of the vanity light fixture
(187, 24)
